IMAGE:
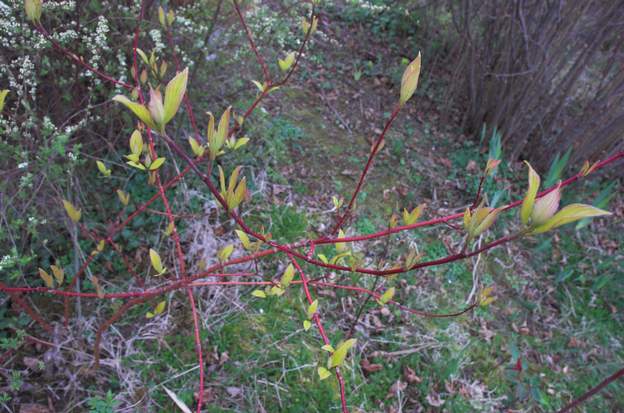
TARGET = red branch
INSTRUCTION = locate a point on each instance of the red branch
(618, 374)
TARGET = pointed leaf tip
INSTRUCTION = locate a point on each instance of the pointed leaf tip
(409, 81)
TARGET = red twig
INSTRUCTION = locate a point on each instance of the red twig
(591, 392)
(369, 162)
(15, 296)
(319, 325)
(261, 62)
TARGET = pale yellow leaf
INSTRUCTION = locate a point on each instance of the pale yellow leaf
(287, 277)
(73, 213)
(258, 294)
(225, 252)
(59, 274)
(156, 261)
(337, 359)
(312, 309)
(409, 81)
(174, 93)
(323, 373)
(139, 110)
(570, 213)
(529, 199)
(47, 278)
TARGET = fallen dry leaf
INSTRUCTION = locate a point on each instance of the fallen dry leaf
(434, 400)
(410, 375)
(369, 367)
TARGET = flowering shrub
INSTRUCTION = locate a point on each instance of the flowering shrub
(148, 103)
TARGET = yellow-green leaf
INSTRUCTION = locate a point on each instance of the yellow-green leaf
(225, 252)
(323, 258)
(241, 142)
(156, 261)
(410, 218)
(570, 213)
(244, 239)
(47, 278)
(287, 277)
(73, 213)
(486, 222)
(278, 291)
(124, 197)
(103, 169)
(149, 314)
(221, 134)
(139, 110)
(529, 199)
(59, 274)
(169, 229)
(161, 17)
(337, 201)
(33, 10)
(222, 180)
(306, 325)
(210, 130)
(174, 93)
(328, 348)
(258, 293)
(198, 150)
(337, 359)
(143, 56)
(259, 85)
(409, 81)
(485, 297)
(160, 307)
(312, 309)
(387, 296)
(137, 165)
(323, 373)
(3, 95)
(100, 245)
(136, 144)
(341, 246)
(239, 193)
(467, 219)
(156, 164)
(287, 62)
(305, 25)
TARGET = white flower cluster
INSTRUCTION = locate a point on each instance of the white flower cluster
(122, 68)
(97, 42)
(11, 30)
(59, 6)
(26, 76)
(156, 36)
(65, 37)
(8, 261)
